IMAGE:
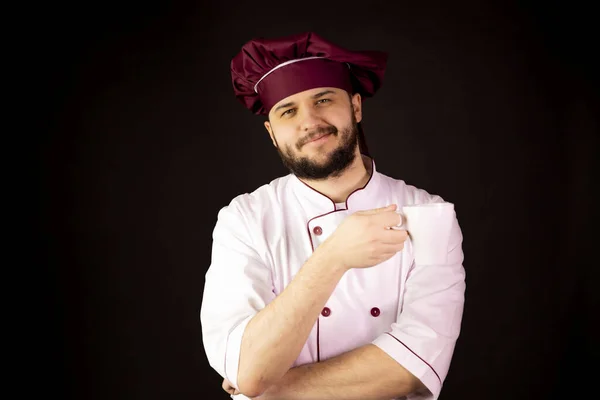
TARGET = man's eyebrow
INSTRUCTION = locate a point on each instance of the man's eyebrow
(321, 94)
(285, 105)
(315, 96)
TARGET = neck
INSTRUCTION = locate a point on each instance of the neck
(339, 188)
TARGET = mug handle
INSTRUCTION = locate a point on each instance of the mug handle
(403, 225)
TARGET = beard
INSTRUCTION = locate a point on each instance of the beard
(338, 160)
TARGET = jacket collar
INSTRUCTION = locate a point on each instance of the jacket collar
(314, 201)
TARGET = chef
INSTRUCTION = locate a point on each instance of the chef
(310, 294)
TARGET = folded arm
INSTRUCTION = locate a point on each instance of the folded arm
(363, 373)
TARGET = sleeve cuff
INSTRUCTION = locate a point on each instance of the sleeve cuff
(411, 361)
(232, 353)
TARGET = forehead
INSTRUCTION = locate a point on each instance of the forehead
(298, 97)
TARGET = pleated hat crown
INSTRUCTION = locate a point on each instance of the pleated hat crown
(266, 71)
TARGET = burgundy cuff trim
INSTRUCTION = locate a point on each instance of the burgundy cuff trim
(408, 348)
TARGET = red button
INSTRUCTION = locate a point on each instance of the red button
(375, 312)
(326, 312)
(317, 230)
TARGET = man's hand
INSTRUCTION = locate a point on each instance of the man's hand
(364, 239)
(229, 388)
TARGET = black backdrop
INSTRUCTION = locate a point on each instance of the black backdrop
(491, 105)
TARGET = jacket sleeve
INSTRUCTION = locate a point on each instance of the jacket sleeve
(237, 286)
(423, 337)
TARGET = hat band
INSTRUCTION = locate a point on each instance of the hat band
(282, 65)
(296, 77)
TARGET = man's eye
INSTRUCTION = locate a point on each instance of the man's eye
(288, 112)
(323, 101)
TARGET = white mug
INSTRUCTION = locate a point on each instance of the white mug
(429, 226)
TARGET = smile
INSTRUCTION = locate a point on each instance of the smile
(319, 139)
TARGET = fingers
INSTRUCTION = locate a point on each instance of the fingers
(228, 387)
(390, 251)
(384, 216)
(393, 248)
(387, 219)
(394, 236)
(401, 217)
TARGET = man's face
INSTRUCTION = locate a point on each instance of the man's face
(316, 131)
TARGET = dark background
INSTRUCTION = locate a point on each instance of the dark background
(492, 105)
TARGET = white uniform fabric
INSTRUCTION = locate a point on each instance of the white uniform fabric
(262, 239)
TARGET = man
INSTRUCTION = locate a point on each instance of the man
(310, 294)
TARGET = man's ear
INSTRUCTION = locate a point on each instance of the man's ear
(357, 106)
(270, 130)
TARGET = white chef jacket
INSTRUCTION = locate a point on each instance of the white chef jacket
(261, 240)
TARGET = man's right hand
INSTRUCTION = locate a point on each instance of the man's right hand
(364, 239)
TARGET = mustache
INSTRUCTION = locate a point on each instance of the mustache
(324, 130)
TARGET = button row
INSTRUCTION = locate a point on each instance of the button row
(326, 312)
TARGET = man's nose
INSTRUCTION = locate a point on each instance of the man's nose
(310, 119)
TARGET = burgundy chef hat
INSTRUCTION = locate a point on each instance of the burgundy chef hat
(268, 70)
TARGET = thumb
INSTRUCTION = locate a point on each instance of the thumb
(390, 207)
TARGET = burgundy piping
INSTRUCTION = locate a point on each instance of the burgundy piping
(429, 365)
(327, 213)
(318, 349)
